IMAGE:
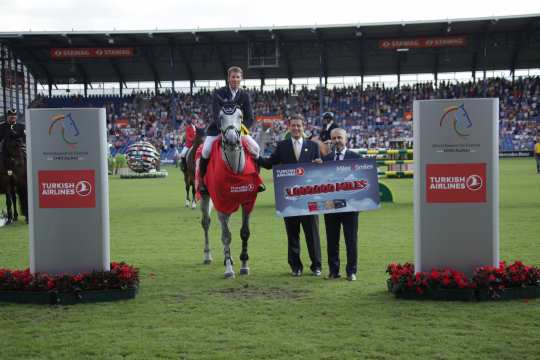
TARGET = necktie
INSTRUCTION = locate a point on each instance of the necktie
(338, 156)
(297, 149)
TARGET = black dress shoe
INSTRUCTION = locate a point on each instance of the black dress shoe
(332, 276)
(261, 188)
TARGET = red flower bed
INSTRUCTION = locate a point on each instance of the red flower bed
(403, 278)
(496, 279)
(121, 276)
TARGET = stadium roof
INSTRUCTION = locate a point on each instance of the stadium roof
(286, 52)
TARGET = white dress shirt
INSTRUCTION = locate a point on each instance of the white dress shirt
(297, 147)
(342, 154)
(233, 93)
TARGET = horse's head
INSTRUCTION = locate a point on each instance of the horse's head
(230, 118)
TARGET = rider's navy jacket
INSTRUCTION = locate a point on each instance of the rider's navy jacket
(223, 96)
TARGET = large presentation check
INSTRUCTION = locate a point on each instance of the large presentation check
(331, 187)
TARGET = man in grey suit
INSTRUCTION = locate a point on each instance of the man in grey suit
(349, 220)
(292, 151)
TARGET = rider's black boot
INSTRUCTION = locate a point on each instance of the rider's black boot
(183, 164)
(203, 165)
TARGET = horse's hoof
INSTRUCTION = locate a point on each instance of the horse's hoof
(187, 204)
(244, 271)
(207, 261)
(193, 206)
(229, 275)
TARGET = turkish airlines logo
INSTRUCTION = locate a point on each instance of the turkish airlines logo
(66, 189)
(474, 182)
(83, 188)
(300, 171)
(456, 183)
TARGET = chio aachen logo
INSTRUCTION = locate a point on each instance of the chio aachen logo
(460, 119)
(66, 127)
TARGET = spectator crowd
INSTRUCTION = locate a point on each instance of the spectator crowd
(373, 115)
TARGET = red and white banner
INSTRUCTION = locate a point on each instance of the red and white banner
(270, 118)
(423, 43)
(122, 123)
(456, 183)
(105, 53)
(66, 189)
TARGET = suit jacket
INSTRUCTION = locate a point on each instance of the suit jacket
(284, 154)
(349, 155)
(223, 96)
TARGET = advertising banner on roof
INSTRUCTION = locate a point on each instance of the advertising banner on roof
(105, 53)
(423, 43)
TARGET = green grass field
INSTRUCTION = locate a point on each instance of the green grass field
(186, 310)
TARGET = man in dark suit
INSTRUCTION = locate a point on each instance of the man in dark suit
(11, 127)
(292, 151)
(329, 125)
(231, 94)
(349, 220)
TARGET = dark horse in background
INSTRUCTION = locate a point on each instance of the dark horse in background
(189, 173)
(13, 180)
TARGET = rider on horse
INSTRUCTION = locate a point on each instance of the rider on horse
(189, 136)
(11, 127)
(227, 96)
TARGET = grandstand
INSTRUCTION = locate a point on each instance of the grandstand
(367, 74)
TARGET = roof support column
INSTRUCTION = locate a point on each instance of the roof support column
(28, 87)
(320, 88)
(3, 79)
(23, 92)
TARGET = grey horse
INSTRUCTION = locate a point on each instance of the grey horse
(233, 155)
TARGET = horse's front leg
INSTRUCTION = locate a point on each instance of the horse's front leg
(244, 235)
(186, 183)
(206, 208)
(226, 240)
(193, 201)
(9, 219)
(14, 201)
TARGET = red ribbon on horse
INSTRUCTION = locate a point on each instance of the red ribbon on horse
(229, 190)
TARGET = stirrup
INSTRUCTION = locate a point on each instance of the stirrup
(203, 189)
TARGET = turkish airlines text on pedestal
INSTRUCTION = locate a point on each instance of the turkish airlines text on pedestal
(67, 189)
(456, 183)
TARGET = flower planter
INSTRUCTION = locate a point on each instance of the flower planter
(93, 296)
(531, 292)
(411, 295)
(453, 294)
(513, 293)
(52, 298)
(25, 297)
